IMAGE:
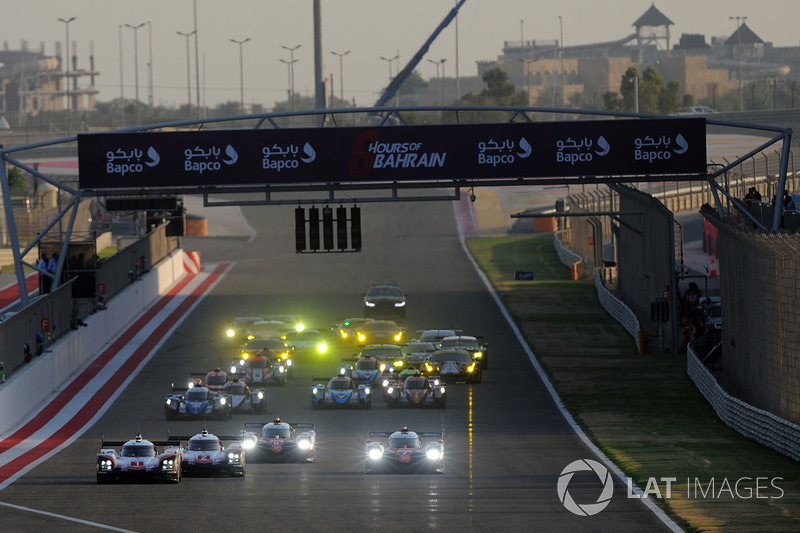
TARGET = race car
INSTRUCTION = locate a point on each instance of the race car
(347, 328)
(454, 366)
(379, 332)
(415, 352)
(205, 455)
(417, 391)
(404, 452)
(280, 441)
(244, 399)
(384, 300)
(237, 330)
(139, 460)
(340, 391)
(435, 335)
(197, 402)
(469, 343)
(306, 341)
(262, 368)
(214, 380)
(365, 370)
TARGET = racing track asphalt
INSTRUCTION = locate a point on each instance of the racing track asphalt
(506, 440)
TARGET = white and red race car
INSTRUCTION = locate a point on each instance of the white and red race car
(404, 452)
(206, 455)
(280, 441)
(139, 460)
(416, 391)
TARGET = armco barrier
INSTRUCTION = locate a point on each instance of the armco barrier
(757, 424)
(24, 392)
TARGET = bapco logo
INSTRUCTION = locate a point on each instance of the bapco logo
(585, 465)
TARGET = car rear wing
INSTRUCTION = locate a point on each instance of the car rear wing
(419, 433)
(296, 425)
(182, 438)
(173, 441)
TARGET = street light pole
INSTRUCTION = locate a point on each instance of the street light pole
(241, 70)
(66, 68)
(121, 79)
(739, 20)
(291, 50)
(438, 80)
(444, 87)
(341, 73)
(188, 72)
(389, 62)
(561, 47)
(136, 63)
(150, 98)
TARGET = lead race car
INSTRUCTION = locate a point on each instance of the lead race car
(206, 455)
(340, 391)
(404, 452)
(139, 460)
(280, 441)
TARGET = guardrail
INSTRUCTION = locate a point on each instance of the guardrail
(752, 422)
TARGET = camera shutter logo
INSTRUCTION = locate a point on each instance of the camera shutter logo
(585, 465)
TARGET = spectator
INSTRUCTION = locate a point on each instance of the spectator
(692, 295)
(51, 268)
(26, 352)
(788, 202)
(752, 196)
(44, 287)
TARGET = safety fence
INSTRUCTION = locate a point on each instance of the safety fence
(50, 316)
(757, 424)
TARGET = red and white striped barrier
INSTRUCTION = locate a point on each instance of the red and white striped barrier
(191, 262)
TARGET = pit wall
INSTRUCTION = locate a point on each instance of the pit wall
(25, 391)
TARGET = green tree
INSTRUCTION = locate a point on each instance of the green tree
(630, 80)
(612, 101)
(669, 99)
(649, 90)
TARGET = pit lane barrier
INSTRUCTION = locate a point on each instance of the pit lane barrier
(754, 423)
(25, 390)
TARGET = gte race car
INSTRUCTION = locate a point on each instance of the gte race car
(404, 452)
(280, 441)
(417, 391)
(139, 460)
(244, 399)
(478, 349)
(197, 402)
(455, 366)
(340, 391)
(205, 455)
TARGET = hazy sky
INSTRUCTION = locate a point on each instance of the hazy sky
(369, 29)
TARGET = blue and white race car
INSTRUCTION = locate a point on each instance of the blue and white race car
(404, 452)
(205, 455)
(280, 441)
(139, 460)
(197, 402)
(340, 391)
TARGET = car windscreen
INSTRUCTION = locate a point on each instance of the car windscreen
(383, 353)
(218, 379)
(461, 344)
(138, 451)
(415, 383)
(457, 357)
(385, 291)
(367, 364)
(270, 432)
(203, 445)
(399, 442)
(340, 384)
(196, 395)
(235, 388)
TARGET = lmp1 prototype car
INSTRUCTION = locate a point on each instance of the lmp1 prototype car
(416, 391)
(244, 399)
(404, 452)
(206, 456)
(478, 349)
(139, 460)
(341, 391)
(197, 402)
(280, 441)
(454, 365)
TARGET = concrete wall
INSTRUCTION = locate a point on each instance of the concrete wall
(24, 392)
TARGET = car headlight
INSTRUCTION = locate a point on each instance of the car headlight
(169, 401)
(288, 362)
(245, 356)
(190, 385)
(477, 355)
(398, 364)
(367, 390)
(304, 444)
(442, 390)
(249, 443)
(300, 327)
(386, 382)
(281, 369)
(369, 304)
(233, 369)
(260, 395)
(230, 333)
(322, 347)
(106, 464)
(375, 454)
(429, 368)
(399, 304)
(398, 337)
(361, 336)
(233, 457)
(434, 454)
(342, 371)
(222, 401)
(390, 390)
(435, 382)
